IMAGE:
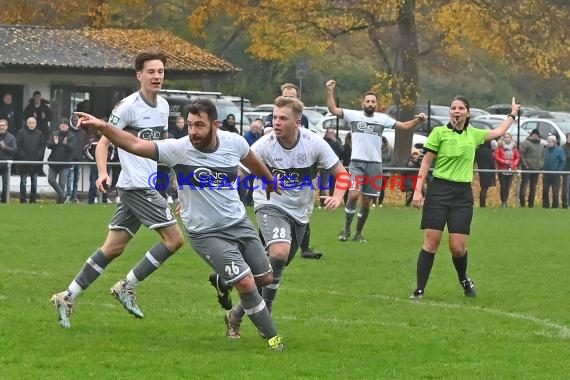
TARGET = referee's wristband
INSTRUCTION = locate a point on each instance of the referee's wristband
(511, 115)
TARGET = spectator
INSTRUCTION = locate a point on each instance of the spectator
(8, 112)
(38, 108)
(180, 128)
(246, 189)
(7, 151)
(229, 124)
(484, 159)
(507, 158)
(532, 158)
(555, 161)
(414, 163)
(327, 181)
(566, 177)
(78, 142)
(89, 153)
(255, 131)
(345, 156)
(61, 145)
(387, 161)
(31, 147)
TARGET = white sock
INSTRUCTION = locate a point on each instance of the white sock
(132, 279)
(73, 290)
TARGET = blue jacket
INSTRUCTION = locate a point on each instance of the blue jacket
(554, 159)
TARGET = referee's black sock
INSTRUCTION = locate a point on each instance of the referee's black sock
(460, 264)
(424, 265)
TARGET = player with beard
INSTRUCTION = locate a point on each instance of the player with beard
(217, 225)
(366, 128)
(294, 153)
(144, 114)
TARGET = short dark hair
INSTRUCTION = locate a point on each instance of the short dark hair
(463, 99)
(203, 105)
(369, 93)
(148, 55)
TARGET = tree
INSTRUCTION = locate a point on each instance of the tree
(400, 33)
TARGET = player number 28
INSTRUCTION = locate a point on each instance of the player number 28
(278, 233)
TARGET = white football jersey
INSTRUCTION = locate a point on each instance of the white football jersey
(298, 167)
(367, 134)
(207, 186)
(134, 115)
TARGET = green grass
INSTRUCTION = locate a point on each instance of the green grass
(346, 316)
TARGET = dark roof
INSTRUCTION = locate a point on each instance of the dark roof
(101, 49)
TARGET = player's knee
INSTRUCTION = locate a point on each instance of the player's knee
(457, 250)
(176, 242)
(113, 250)
(246, 284)
(264, 280)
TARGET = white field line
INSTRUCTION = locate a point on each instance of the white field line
(562, 330)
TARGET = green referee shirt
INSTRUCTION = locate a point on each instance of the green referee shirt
(455, 151)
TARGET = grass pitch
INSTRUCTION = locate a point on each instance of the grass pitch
(345, 316)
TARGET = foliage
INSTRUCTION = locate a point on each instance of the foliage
(397, 42)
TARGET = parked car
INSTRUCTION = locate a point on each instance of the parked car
(323, 110)
(474, 112)
(239, 101)
(548, 127)
(343, 129)
(178, 99)
(494, 120)
(527, 111)
(560, 115)
(439, 112)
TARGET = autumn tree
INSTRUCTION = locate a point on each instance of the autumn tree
(528, 35)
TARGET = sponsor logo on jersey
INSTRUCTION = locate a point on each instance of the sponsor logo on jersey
(149, 134)
(212, 178)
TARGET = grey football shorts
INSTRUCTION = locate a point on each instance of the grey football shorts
(278, 227)
(232, 252)
(138, 207)
(366, 177)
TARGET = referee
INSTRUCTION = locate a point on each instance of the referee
(449, 197)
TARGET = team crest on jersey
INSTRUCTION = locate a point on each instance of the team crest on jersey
(302, 158)
(114, 120)
(227, 157)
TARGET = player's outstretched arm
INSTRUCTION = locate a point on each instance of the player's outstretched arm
(120, 138)
(258, 168)
(342, 185)
(411, 124)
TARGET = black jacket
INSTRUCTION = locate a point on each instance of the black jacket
(31, 147)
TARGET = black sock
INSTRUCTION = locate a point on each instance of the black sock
(306, 239)
(349, 211)
(460, 264)
(362, 216)
(424, 265)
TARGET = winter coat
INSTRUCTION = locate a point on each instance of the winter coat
(31, 147)
(507, 158)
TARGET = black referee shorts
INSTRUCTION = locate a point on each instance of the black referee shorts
(450, 203)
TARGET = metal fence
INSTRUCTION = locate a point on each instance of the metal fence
(407, 170)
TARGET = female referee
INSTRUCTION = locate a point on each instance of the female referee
(449, 198)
